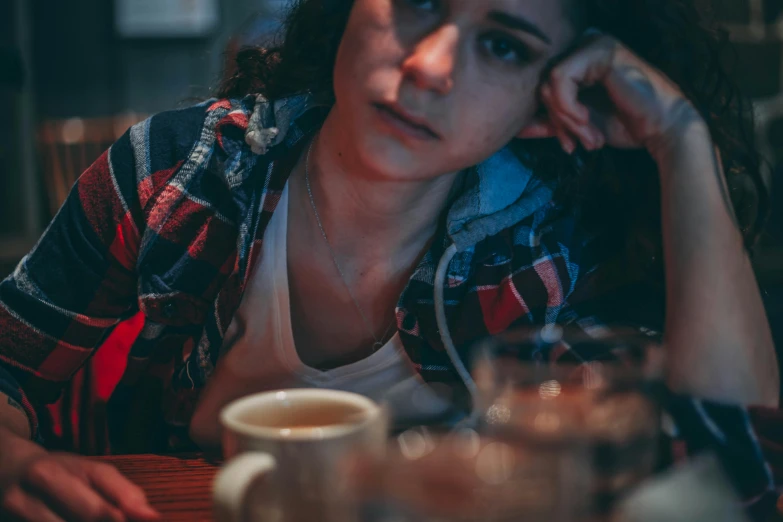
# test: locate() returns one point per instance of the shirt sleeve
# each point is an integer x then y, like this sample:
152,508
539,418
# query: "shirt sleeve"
77,283
727,431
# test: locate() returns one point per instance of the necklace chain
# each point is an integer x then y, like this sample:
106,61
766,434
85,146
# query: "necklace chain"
378,341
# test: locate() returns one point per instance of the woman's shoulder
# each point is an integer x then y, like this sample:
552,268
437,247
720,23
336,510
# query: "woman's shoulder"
208,138
208,149
176,133
250,125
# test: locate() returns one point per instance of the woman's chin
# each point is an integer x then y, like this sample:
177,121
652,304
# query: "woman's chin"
391,160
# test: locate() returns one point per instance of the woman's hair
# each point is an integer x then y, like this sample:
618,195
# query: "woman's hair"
611,187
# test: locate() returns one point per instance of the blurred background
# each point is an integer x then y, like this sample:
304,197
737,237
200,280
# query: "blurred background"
75,74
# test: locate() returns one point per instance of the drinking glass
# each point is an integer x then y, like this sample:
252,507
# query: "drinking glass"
463,476
556,388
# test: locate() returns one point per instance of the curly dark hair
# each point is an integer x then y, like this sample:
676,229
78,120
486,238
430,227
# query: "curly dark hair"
612,187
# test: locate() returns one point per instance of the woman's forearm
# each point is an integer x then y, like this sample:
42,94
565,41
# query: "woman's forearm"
717,335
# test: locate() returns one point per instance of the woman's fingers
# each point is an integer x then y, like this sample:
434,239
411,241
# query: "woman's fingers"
537,130
22,507
566,142
585,68
558,127
642,106
122,492
590,137
588,67
572,117
68,494
64,487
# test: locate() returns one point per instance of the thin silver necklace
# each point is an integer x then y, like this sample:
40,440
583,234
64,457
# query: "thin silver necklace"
378,341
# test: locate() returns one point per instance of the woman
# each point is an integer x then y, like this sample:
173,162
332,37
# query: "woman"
417,189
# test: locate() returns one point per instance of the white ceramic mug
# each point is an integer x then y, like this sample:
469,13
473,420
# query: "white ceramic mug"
291,442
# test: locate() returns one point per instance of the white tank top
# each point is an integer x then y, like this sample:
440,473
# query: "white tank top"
259,344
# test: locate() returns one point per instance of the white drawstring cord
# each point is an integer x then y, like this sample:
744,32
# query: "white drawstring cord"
445,336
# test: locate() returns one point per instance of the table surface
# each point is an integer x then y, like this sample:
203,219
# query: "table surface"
179,487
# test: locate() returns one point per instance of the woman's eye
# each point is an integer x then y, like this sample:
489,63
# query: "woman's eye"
506,49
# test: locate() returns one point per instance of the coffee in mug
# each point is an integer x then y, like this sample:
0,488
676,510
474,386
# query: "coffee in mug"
283,451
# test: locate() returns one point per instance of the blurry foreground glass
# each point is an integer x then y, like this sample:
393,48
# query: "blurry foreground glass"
538,391
465,477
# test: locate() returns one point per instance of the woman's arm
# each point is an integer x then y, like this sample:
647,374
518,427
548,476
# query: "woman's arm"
60,302
718,340
76,284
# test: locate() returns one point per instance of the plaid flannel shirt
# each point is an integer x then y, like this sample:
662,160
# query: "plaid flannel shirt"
162,230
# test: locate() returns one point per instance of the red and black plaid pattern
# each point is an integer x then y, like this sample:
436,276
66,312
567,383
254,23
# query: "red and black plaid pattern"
163,228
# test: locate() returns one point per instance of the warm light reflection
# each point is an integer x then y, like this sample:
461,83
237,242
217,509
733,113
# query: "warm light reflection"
495,463
415,444
594,376
467,443
549,389
498,414
547,422
73,131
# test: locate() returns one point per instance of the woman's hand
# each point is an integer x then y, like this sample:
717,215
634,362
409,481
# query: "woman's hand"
718,340
37,486
603,94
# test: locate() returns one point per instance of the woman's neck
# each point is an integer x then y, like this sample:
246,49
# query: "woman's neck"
364,214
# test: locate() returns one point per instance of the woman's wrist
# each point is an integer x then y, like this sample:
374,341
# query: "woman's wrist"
688,135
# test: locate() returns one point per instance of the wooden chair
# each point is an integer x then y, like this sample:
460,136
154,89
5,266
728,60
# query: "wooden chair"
68,147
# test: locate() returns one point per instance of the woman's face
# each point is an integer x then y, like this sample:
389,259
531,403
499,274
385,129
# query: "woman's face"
428,87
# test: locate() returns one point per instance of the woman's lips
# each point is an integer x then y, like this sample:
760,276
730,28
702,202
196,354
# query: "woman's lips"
405,123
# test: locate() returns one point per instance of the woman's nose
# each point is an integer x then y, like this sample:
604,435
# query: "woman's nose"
432,62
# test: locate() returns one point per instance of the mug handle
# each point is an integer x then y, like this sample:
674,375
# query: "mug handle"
232,481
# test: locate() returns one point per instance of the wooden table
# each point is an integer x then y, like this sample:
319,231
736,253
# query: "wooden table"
179,487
